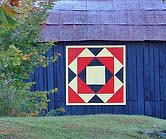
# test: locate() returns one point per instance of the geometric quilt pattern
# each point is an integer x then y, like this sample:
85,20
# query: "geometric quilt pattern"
95,75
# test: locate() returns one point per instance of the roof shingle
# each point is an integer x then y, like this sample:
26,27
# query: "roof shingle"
124,20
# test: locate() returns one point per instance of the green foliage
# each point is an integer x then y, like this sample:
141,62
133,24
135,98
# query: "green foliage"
55,112
20,54
14,102
6,16
2,136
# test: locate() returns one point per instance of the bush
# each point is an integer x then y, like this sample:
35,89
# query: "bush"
14,102
20,53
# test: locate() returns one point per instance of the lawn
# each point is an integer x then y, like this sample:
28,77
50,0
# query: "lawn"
79,127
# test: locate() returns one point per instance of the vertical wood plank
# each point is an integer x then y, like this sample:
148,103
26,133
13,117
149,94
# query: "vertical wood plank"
134,68
156,73
162,110
117,110
108,109
40,79
162,71
55,76
132,73
37,80
96,110
44,79
126,108
140,80
32,79
50,80
146,72
62,72
133,109
128,74
80,110
165,110
153,108
148,109
157,109
151,72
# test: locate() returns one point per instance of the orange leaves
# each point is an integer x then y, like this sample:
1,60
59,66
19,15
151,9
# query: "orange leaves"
9,11
27,57
8,14
14,3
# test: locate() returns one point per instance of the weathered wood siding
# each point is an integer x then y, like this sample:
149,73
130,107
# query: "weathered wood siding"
145,80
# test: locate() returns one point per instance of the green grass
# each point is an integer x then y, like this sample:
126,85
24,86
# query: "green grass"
79,127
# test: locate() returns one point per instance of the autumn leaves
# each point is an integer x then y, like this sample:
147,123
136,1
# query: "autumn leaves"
14,3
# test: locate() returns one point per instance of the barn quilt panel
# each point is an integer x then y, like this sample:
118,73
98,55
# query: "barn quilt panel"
95,75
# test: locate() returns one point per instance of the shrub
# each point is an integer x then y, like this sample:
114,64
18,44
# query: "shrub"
20,53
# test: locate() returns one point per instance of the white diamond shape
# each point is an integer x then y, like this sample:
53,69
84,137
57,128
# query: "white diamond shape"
117,84
104,97
86,53
104,53
73,66
73,84
117,65
86,97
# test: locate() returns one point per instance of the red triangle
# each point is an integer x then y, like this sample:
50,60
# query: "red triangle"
83,88
118,97
117,52
83,62
73,53
108,88
108,62
73,97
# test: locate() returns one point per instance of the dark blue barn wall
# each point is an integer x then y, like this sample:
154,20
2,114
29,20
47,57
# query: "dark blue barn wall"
145,80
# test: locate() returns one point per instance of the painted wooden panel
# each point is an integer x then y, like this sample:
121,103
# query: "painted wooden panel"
145,80
95,75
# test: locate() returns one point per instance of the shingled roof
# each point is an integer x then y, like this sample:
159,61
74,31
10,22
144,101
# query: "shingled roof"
122,20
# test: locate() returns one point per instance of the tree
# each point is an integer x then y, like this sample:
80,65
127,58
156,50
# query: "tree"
20,53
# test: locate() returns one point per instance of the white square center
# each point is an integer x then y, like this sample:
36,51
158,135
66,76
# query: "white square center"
95,75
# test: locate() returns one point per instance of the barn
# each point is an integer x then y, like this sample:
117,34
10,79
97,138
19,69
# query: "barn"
113,57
